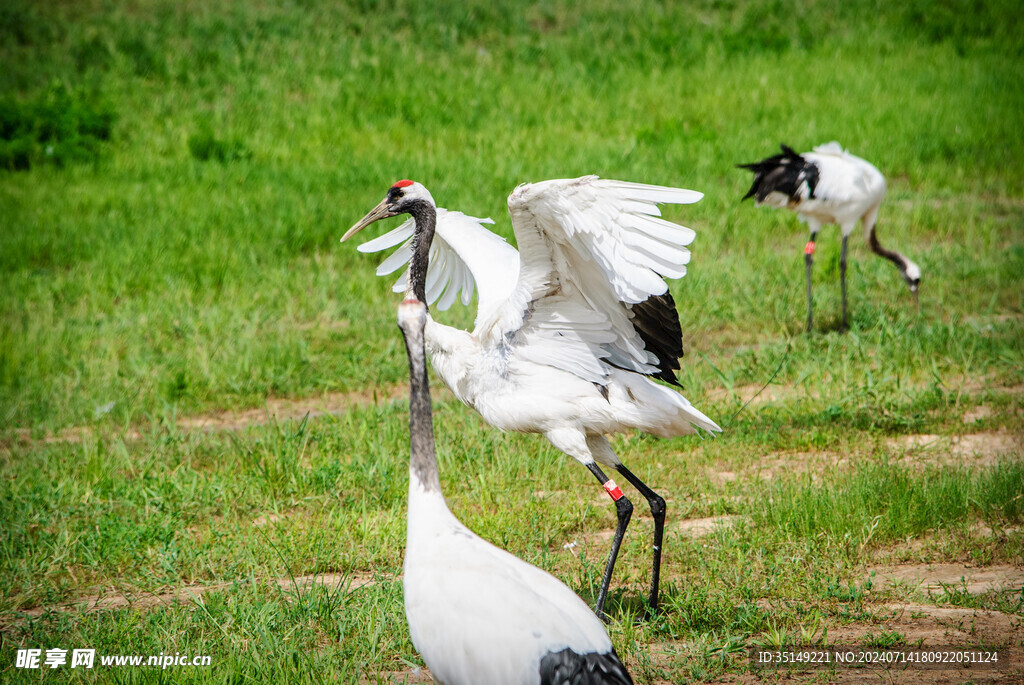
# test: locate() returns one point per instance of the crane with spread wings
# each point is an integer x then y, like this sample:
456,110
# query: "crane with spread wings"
570,329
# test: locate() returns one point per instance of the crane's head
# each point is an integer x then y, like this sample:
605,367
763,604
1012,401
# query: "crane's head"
912,275
405,197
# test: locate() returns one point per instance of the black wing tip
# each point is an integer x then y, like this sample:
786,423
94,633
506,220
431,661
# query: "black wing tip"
670,378
780,173
656,321
788,151
755,168
571,668
774,160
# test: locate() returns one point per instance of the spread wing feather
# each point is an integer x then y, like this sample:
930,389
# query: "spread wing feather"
463,256
601,247
587,289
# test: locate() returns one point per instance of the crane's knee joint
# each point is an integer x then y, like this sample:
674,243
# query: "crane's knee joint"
658,506
623,508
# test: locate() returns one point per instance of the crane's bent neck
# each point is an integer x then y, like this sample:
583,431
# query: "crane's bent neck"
901,262
425,216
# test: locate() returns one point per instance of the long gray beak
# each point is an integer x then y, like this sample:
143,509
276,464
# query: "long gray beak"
379,212
917,300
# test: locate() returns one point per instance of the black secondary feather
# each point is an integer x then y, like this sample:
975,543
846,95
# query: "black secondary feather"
785,173
569,668
657,322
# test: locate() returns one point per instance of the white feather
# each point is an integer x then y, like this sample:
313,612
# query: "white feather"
848,188
476,613
463,255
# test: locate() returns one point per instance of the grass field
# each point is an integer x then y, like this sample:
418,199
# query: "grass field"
203,436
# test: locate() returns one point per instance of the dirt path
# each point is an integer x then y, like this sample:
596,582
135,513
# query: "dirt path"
114,599
277,409
974,580
334,404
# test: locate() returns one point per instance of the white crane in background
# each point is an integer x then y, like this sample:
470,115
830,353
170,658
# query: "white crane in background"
476,613
828,186
568,330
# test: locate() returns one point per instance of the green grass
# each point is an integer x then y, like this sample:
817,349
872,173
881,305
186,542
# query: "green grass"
174,178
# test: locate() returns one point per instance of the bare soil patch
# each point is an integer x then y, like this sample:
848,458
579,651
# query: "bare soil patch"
979,413
975,449
940,626
285,409
691,528
698,528
974,580
931,626
753,394
275,409
115,599
776,464
408,676
333,404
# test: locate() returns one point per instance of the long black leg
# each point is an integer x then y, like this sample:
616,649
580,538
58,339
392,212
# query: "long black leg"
657,503
623,510
809,260
842,277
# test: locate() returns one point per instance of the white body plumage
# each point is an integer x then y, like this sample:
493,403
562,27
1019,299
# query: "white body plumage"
848,189
476,613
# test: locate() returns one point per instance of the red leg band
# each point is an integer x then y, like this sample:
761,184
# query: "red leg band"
809,248
614,490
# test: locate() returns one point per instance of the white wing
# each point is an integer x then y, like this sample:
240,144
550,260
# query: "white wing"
463,254
590,249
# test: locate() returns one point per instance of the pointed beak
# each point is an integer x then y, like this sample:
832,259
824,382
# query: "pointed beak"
917,300
381,211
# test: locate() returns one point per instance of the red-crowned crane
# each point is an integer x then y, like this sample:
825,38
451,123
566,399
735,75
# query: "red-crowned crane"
828,186
476,613
569,330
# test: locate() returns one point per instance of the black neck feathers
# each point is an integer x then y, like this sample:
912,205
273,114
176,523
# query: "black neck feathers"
425,216
892,255
423,458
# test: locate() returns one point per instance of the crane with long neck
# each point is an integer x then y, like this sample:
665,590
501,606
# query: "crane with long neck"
476,613
569,331
828,186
